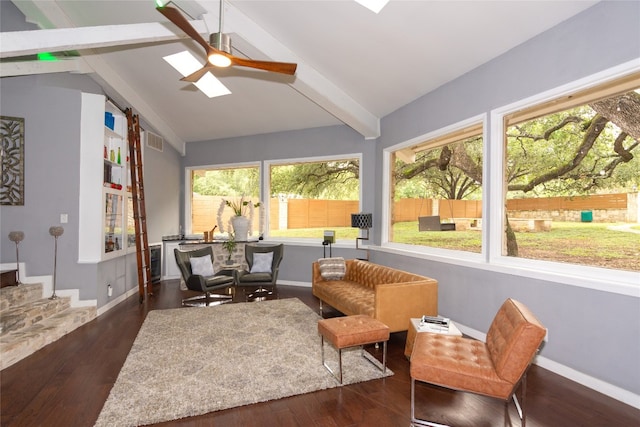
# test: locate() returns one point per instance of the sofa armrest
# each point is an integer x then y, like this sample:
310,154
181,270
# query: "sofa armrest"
396,303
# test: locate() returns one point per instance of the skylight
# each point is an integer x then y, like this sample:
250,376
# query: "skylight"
186,64
373,5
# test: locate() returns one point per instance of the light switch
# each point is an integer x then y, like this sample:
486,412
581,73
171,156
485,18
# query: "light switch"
64,218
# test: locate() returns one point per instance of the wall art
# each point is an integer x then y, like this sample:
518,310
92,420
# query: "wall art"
12,153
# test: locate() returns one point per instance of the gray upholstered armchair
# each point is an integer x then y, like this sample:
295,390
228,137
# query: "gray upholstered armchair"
197,271
264,263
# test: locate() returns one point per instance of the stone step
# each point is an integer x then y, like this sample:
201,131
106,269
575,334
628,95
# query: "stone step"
16,345
22,316
12,296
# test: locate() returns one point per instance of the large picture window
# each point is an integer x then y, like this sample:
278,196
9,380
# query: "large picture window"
571,173
212,187
309,196
436,191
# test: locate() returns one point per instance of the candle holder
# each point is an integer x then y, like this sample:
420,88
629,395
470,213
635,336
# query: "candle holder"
17,237
55,231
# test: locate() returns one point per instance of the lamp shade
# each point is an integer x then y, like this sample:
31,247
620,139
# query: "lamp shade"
362,220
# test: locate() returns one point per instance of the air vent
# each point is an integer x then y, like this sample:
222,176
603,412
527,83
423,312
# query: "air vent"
154,141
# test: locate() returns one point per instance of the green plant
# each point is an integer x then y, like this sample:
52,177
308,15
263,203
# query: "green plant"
230,245
241,207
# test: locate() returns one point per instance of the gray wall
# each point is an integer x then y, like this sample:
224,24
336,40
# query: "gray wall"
52,155
599,38
50,105
603,36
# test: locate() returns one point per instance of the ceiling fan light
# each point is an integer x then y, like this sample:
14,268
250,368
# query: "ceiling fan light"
219,60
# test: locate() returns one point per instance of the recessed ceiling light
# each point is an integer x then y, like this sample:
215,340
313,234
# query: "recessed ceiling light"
187,64
373,5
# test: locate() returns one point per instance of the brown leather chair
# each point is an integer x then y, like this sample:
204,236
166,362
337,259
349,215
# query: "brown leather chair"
493,368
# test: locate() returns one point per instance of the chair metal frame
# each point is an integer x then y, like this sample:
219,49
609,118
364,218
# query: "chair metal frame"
198,283
520,336
261,292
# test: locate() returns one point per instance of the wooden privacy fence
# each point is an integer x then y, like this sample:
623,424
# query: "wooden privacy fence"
577,203
311,213
298,213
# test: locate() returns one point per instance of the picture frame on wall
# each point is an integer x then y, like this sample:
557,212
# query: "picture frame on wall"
12,153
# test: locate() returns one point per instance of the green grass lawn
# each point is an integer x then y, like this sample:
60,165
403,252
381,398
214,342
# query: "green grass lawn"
571,242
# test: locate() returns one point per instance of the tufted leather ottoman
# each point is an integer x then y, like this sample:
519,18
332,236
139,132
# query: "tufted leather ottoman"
352,331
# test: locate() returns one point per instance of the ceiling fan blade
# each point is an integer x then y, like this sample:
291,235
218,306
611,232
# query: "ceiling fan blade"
276,67
181,22
197,75
174,15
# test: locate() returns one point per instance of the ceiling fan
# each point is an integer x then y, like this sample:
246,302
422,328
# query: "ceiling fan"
219,50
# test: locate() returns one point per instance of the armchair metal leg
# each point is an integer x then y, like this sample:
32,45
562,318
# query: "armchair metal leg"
416,422
521,407
261,293
206,299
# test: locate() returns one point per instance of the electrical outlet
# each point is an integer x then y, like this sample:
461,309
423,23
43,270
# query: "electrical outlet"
109,290
64,218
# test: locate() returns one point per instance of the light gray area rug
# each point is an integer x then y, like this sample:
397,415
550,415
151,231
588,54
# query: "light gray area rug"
191,361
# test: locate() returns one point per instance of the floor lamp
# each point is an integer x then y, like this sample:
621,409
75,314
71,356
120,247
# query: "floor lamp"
363,221
17,237
55,231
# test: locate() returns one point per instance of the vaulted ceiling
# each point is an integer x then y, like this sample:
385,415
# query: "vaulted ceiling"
354,66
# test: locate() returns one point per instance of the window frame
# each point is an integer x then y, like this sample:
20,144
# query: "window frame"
493,206
188,186
610,280
419,141
267,164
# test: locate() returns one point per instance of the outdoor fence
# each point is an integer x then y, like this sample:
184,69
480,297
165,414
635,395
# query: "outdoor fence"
311,213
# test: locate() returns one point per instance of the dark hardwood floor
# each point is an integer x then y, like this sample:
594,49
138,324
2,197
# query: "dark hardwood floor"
67,382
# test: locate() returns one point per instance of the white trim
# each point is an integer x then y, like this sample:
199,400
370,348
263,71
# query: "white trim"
294,283
589,277
47,286
111,304
386,184
314,159
615,392
609,280
539,270
188,185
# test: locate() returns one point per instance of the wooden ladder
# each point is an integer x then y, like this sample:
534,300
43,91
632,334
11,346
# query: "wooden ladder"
139,211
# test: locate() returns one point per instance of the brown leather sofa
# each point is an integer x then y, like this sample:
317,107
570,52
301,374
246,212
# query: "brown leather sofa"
384,293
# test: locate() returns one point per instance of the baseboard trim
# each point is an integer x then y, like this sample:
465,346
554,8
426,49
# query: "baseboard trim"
294,283
615,392
117,301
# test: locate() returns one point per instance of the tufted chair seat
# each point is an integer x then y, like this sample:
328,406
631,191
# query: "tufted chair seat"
493,368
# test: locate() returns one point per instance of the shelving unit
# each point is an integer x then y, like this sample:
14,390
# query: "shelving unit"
105,199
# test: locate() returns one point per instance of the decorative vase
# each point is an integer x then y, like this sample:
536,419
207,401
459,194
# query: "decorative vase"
240,228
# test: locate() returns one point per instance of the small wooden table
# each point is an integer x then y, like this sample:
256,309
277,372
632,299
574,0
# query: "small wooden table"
414,329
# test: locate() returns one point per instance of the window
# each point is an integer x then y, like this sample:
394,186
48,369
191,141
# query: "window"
436,190
312,195
211,187
571,178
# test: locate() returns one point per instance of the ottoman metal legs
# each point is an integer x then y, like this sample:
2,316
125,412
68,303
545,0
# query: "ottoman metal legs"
353,331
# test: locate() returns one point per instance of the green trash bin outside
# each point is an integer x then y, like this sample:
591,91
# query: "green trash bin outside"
586,216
